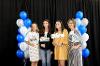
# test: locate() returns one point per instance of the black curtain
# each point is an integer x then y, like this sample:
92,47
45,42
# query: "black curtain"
38,10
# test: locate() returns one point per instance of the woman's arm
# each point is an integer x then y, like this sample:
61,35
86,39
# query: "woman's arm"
65,38
28,42
27,39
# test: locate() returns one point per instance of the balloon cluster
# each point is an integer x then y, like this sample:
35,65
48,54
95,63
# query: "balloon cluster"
23,24
81,24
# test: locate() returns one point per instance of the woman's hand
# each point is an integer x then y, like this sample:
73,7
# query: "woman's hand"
43,45
42,37
76,47
28,42
32,45
32,39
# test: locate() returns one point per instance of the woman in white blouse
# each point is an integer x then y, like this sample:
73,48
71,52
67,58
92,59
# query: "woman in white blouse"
32,39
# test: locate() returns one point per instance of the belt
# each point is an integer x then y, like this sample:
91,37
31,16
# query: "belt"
75,43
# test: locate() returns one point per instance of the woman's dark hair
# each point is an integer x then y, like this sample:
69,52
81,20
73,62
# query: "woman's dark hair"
43,28
62,26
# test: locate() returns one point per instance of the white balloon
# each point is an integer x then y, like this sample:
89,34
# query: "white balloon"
26,54
23,30
20,22
84,45
85,37
85,21
23,46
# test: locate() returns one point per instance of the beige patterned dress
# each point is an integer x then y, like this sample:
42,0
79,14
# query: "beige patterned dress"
33,50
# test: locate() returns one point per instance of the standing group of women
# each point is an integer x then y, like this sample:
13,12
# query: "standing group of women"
65,48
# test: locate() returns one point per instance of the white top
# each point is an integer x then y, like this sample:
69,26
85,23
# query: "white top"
33,37
45,34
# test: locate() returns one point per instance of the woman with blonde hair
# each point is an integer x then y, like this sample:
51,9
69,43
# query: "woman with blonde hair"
75,51
32,39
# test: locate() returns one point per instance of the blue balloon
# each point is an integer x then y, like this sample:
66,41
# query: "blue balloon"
20,38
85,53
27,23
79,14
20,54
19,45
23,15
18,31
82,29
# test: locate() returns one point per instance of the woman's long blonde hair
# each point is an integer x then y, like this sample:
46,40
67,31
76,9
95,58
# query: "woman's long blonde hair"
73,20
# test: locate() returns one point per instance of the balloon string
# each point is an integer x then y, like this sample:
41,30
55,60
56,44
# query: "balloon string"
26,6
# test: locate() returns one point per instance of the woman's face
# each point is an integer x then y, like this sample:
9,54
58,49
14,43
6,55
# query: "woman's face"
58,25
34,27
45,24
71,25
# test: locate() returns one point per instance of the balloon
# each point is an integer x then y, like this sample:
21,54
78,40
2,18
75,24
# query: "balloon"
27,23
29,29
19,22
26,54
82,29
23,15
20,38
85,53
23,46
23,30
18,31
20,54
84,45
85,21
79,14
85,37
19,44
78,22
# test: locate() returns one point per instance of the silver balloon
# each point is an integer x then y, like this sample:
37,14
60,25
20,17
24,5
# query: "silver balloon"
84,45
20,22
85,21
85,37
23,30
23,46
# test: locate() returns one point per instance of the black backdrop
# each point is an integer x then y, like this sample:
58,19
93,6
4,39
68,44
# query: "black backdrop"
51,9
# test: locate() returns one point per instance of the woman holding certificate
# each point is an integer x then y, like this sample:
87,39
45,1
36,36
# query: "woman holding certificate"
60,42
45,44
